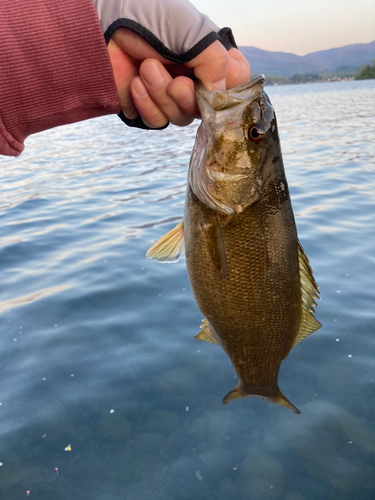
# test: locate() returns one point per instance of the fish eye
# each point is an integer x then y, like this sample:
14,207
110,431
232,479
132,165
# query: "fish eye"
256,134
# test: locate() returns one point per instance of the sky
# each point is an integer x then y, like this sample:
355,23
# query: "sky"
297,26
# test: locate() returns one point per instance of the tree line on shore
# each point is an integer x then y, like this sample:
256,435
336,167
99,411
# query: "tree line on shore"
365,72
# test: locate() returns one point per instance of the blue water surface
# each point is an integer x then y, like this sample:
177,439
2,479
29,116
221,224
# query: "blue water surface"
97,348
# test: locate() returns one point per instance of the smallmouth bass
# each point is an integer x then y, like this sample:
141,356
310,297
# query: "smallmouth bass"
248,272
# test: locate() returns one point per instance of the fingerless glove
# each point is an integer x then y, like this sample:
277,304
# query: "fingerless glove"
175,28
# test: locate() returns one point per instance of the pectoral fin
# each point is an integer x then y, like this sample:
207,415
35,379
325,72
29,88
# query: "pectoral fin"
170,247
216,246
310,293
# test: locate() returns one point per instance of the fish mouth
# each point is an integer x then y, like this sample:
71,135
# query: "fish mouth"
259,79
218,100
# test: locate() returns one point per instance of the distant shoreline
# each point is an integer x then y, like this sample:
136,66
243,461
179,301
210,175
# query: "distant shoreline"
272,80
270,83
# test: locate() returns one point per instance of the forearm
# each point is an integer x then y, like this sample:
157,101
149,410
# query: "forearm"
54,68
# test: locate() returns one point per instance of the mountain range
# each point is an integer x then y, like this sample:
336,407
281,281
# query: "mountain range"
286,64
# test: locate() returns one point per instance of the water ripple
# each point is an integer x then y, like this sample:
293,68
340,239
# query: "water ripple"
88,325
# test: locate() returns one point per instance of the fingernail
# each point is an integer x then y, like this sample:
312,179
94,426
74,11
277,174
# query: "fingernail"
139,88
152,74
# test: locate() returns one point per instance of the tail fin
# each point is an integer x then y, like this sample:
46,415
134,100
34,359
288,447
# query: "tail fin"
235,393
239,392
280,399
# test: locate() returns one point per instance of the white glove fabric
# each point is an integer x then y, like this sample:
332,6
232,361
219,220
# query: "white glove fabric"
175,28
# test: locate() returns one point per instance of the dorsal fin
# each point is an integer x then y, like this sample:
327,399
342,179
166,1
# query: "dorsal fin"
310,293
206,333
170,247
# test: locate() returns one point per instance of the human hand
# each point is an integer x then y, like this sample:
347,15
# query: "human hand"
156,48
159,90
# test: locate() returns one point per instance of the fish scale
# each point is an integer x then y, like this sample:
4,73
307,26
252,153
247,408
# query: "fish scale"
247,308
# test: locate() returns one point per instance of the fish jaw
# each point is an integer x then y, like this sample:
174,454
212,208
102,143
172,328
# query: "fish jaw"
278,398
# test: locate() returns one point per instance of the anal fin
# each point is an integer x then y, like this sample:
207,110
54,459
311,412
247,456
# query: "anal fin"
170,247
206,333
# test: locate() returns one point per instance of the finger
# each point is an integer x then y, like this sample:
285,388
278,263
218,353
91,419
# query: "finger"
182,91
156,80
152,116
210,66
238,72
124,71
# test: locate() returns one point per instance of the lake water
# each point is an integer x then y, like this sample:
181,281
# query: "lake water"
97,348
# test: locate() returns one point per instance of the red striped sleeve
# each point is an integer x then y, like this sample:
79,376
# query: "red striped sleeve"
54,68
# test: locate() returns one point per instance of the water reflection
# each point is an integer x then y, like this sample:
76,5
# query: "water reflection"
21,301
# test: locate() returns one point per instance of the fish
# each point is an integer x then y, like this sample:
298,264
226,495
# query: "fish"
248,272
